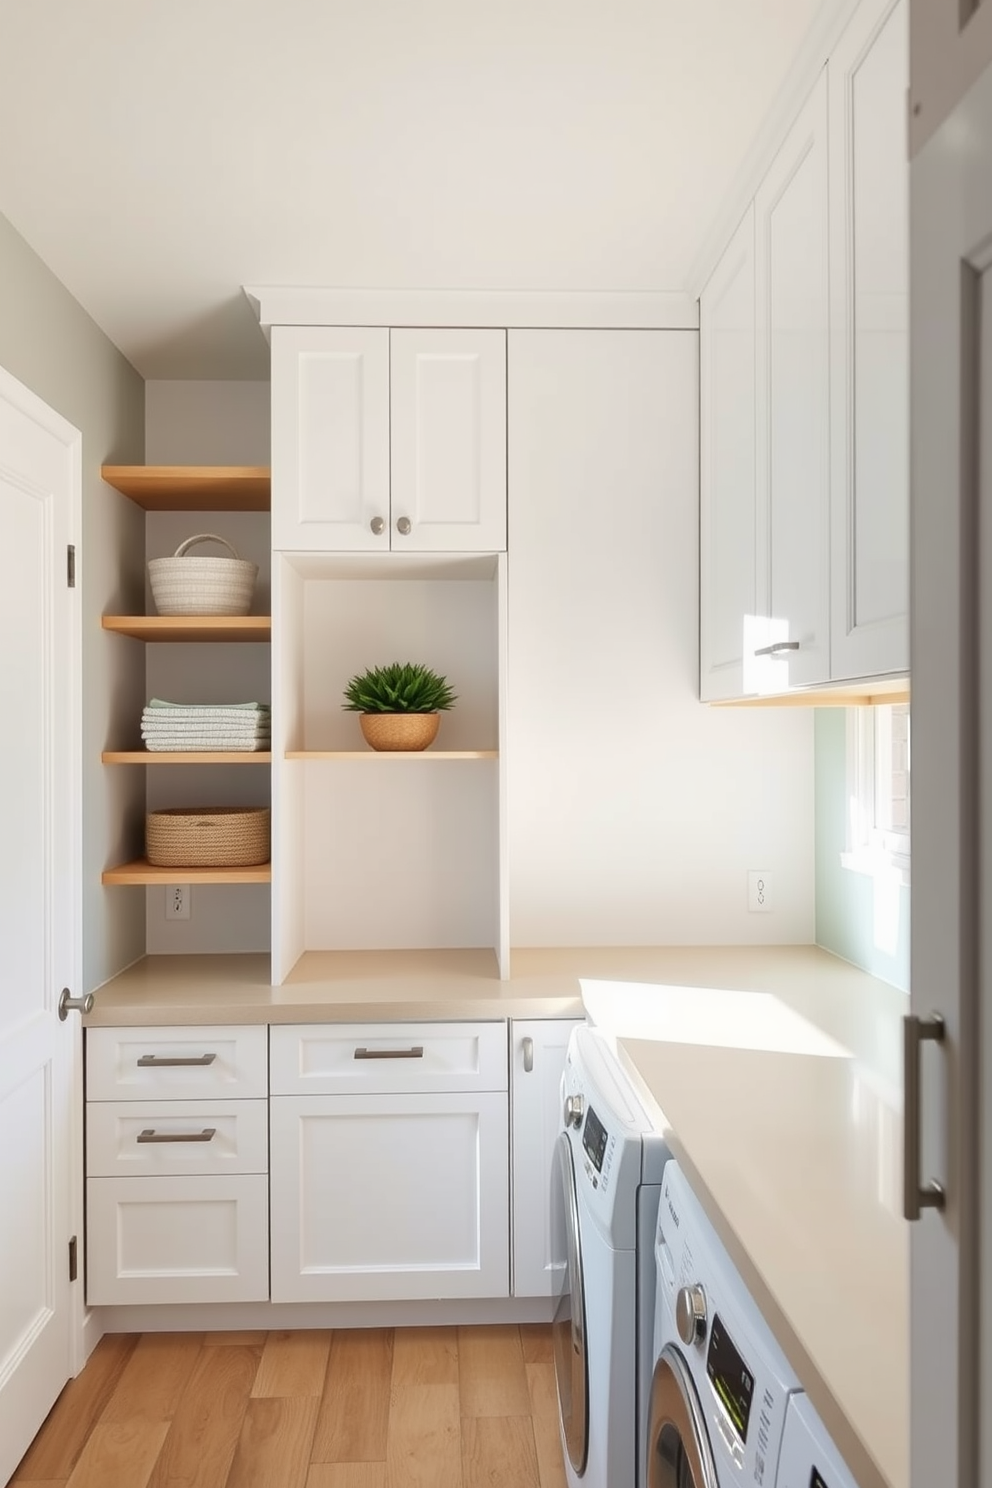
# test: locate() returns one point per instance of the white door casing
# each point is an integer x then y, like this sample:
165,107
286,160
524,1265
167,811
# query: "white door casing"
39,913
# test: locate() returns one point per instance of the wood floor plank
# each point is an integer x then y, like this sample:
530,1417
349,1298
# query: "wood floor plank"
293,1364
204,1434
274,1446
499,1452
354,1411
491,1372
55,1450
537,1344
423,1449
544,1416
425,1356
347,1475
154,1378
119,1454
249,1338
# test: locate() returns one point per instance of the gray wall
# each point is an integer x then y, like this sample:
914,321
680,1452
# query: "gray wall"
856,917
50,344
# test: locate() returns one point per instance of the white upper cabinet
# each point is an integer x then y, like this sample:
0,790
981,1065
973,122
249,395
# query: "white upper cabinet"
791,647
869,292
388,441
727,436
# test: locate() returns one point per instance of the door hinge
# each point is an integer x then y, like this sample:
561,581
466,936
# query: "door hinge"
70,565
73,1260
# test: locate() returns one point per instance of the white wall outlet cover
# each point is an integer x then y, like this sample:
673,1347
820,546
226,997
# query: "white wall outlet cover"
759,891
177,902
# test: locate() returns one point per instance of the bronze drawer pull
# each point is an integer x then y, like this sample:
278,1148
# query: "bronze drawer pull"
416,1052
162,1061
151,1135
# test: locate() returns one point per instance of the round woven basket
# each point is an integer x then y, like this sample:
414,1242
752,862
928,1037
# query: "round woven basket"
207,837
399,730
202,586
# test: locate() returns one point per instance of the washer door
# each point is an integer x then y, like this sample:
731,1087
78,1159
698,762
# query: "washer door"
569,1327
679,1453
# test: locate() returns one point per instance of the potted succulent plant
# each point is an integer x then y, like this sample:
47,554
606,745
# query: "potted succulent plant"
400,704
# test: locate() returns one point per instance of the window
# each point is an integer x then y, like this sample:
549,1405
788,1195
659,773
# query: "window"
878,774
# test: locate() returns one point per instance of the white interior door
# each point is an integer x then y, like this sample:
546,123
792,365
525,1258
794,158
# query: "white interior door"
951,650
39,483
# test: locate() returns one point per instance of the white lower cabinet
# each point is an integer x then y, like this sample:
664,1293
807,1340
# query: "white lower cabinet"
537,1060
399,1188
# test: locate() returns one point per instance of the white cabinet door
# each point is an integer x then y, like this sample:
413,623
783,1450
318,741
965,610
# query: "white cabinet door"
448,433
726,474
330,438
536,1065
389,1197
869,343
792,405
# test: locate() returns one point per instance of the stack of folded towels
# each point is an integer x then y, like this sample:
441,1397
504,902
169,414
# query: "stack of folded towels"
188,727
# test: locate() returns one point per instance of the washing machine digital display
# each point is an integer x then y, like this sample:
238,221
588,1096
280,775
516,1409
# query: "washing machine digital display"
731,1379
594,1139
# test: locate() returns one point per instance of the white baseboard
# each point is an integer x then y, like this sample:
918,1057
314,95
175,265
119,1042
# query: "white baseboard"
238,1316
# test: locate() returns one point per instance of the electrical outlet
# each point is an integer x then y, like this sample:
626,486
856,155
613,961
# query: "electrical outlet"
177,902
759,891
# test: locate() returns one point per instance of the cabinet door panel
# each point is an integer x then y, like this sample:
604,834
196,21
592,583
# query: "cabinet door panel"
727,513
536,1121
793,405
869,298
330,437
198,1239
389,1197
448,419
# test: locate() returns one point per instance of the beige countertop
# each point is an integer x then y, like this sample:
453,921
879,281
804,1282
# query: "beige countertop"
774,1071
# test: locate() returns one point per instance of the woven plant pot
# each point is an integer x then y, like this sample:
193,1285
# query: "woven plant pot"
399,730
202,586
207,837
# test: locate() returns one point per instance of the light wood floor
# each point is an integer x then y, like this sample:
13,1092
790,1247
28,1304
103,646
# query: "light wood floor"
376,1408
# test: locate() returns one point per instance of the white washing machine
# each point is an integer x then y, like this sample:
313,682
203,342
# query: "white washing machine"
607,1178
721,1386
809,1458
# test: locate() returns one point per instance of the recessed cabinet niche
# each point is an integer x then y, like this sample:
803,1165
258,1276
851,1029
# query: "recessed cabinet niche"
387,851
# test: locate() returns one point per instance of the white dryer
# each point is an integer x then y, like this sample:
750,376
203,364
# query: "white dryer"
721,1386
607,1178
809,1458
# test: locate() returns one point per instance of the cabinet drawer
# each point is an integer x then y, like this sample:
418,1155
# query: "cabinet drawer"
380,1058
175,1063
135,1138
185,1239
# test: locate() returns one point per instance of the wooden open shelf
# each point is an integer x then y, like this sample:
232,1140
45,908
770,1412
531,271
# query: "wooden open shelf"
142,872
191,627
193,487
186,757
384,754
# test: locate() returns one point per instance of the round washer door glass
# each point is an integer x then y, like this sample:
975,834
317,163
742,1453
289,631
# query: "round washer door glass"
679,1453
569,1327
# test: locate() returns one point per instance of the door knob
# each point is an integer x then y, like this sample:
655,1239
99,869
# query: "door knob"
69,1004
404,526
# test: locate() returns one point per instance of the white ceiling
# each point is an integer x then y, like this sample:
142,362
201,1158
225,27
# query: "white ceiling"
160,154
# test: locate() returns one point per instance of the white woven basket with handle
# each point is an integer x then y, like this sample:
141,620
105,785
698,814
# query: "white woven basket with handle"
202,586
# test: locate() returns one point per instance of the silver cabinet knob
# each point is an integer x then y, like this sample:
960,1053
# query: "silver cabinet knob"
574,1106
690,1314
404,526
528,1052
378,525
69,1004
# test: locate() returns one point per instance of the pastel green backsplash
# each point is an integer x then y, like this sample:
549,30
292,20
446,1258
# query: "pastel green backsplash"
855,918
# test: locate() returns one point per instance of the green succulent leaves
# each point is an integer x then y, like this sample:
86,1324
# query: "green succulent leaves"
401,687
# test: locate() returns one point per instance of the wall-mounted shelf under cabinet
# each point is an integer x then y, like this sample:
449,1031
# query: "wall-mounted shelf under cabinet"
140,871
185,757
193,487
191,627
392,754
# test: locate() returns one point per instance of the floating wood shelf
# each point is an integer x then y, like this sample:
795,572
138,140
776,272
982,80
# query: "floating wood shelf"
185,757
191,627
142,872
387,754
193,487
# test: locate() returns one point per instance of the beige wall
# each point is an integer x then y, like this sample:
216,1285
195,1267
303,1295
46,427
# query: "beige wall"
50,344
